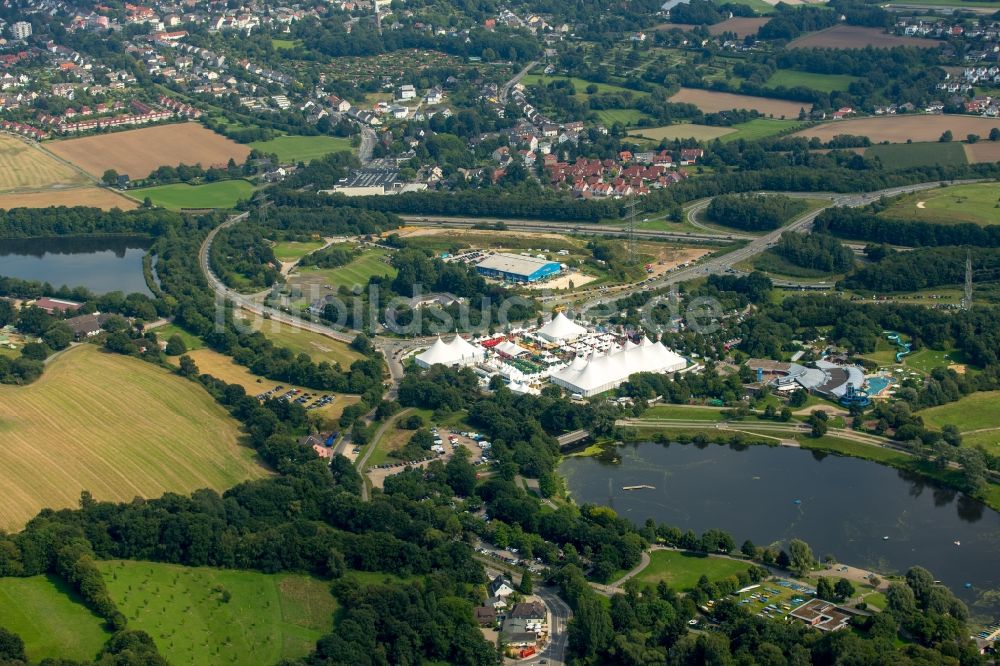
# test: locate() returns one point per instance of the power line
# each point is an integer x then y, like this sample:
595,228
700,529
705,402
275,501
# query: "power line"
968,280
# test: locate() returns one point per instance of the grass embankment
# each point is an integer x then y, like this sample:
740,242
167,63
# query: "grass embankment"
685,412
977,417
976,203
115,426
50,618
681,570
220,194
295,250
203,616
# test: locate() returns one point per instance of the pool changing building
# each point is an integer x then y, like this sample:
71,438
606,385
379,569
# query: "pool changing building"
517,268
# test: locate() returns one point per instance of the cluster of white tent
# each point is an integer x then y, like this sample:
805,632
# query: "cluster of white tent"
603,372
560,329
457,352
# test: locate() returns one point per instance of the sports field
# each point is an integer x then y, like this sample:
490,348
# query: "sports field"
905,155
681,571
25,167
302,148
790,78
221,194
138,152
115,426
711,101
858,37
975,203
203,616
977,416
357,272
225,368
50,619
899,129
88,195
295,250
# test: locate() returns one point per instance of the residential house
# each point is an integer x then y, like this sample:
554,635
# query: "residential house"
501,586
486,616
88,325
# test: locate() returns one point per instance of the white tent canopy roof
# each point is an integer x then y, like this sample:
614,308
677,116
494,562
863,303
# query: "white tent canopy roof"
561,328
603,372
457,352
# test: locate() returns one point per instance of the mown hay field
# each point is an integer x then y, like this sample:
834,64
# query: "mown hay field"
711,101
858,37
97,197
117,427
138,152
900,129
26,168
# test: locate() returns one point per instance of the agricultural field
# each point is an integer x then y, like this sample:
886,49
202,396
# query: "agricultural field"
858,37
790,78
329,280
625,117
88,195
900,129
681,571
115,426
977,203
24,167
905,155
711,101
50,618
220,194
202,616
682,131
741,26
977,416
967,6
759,128
138,152
982,151
286,251
225,368
302,148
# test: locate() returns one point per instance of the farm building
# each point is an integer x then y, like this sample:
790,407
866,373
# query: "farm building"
600,373
456,352
517,268
56,305
88,325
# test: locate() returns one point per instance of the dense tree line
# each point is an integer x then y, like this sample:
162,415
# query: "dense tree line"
816,251
757,212
923,268
83,221
330,257
866,224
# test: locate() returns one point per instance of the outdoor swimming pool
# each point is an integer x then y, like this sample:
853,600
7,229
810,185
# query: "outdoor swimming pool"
877,384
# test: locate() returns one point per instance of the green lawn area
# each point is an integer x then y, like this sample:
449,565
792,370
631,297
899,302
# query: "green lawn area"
975,411
758,6
300,341
268,617
579,84
682,570
855,449
790,78
220,194
681,131
302,148
623,116
395,438
926,360
295,250
191,341
684,412
905,155
759,128
50,618
283,44
358,271
976,203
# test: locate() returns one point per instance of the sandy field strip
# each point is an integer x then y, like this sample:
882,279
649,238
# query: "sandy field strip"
98,197
898,129
711,101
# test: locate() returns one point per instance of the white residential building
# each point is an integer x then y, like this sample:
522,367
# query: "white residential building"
21,30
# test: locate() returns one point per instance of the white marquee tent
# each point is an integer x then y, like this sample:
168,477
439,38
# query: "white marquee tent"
603,372
561,329
457,352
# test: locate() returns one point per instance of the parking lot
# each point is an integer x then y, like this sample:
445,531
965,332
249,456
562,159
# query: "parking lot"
448,442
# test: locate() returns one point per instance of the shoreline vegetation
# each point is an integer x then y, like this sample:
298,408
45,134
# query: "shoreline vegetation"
663,433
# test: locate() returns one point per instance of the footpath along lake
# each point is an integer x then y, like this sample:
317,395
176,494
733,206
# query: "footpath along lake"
843,506
99,264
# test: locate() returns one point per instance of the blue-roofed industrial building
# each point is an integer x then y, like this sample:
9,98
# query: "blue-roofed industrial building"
517,268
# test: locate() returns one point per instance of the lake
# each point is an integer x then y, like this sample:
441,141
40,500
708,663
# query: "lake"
99,264
846,506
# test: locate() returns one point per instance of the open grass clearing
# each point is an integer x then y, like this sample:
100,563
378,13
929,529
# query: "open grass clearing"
682,131
295,250
685,413
115,426
302,148
191,341
96,197
225,368
328,280
267,618
300,341
138,152
791,78
907,155
760,128
51,619
711,101
926,360
24,167
579,85
976,411
625,117
220,194
977,203
682,570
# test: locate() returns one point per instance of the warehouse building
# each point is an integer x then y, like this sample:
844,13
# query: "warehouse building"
517,268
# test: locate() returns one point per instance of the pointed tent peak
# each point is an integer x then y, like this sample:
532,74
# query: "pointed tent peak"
646,342
629,345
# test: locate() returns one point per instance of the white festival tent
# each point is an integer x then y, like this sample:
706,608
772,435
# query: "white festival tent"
561,329
603,372
457,352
